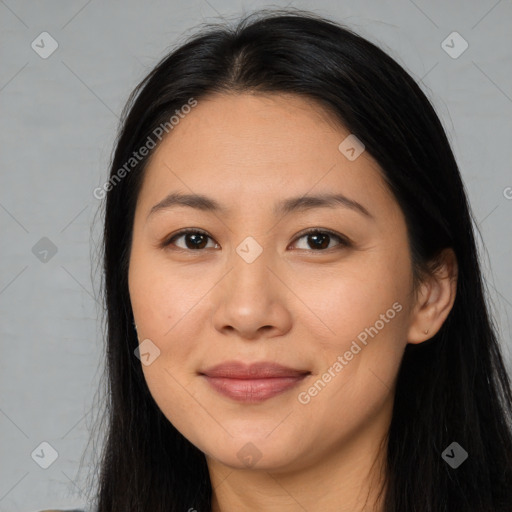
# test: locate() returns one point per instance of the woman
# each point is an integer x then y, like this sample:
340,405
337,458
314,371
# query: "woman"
296,313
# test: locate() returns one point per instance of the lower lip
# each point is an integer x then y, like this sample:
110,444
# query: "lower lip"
253,390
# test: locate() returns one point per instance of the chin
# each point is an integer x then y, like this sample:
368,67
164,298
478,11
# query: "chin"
253,452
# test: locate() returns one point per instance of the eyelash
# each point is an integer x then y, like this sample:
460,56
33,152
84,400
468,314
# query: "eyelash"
344,242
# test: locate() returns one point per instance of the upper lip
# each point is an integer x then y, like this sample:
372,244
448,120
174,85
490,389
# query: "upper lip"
258,370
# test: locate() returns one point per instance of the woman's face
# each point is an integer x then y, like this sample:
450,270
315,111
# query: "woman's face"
255,289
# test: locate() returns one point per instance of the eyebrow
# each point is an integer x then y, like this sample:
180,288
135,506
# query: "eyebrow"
284,207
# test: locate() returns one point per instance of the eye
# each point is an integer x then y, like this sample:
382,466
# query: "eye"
194,239
320,239
317,239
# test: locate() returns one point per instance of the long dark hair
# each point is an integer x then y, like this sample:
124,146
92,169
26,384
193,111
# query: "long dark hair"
453,387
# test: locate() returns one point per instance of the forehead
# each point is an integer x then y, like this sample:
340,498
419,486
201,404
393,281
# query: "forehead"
258,148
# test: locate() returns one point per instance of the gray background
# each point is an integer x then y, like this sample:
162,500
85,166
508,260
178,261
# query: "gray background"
58,123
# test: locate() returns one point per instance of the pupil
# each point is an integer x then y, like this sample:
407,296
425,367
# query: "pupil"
196,238
324,243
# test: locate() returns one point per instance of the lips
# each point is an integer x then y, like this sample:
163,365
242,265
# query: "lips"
252,382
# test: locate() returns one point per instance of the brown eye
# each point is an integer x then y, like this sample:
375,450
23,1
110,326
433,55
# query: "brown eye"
193,240
319,240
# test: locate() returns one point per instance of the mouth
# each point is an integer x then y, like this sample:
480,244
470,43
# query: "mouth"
254,382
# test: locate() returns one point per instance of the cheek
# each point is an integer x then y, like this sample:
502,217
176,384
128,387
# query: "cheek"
166,304
161,310
357,363
357,295
160,298
366,311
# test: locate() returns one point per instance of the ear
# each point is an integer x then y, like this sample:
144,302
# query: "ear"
435,298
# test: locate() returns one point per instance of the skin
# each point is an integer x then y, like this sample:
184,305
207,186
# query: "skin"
294,304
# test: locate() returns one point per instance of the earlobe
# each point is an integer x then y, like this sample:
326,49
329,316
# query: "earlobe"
436,299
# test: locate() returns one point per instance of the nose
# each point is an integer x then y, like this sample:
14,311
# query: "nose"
250,302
